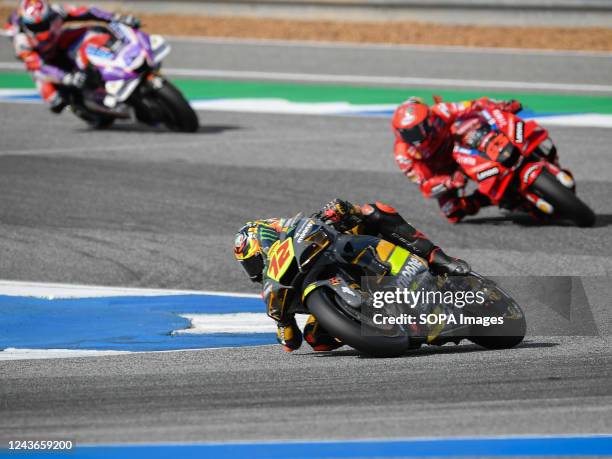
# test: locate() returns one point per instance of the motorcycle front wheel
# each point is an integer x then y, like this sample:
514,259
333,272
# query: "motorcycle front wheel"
498,306
324,305
94,120
178,114
565,203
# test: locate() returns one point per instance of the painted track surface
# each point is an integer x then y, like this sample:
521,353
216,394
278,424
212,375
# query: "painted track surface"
135,207
547,386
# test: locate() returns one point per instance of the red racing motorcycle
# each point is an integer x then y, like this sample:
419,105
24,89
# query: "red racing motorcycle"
515,164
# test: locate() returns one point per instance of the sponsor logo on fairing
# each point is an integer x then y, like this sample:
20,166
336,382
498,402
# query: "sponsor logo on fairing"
518,132
482,175
303,232
467,160
444,110
465,151
489,119
440,188
92,50
499,117
528,172
403,160
412,267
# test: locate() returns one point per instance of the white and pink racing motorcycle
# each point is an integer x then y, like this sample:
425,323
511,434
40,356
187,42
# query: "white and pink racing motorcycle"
123,69
122,65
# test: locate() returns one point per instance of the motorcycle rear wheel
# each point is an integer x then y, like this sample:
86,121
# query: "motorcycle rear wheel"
566,204
322,304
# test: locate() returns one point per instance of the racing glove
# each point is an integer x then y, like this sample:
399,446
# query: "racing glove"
128,20
441,263
339,214
75,79
288,335
455,181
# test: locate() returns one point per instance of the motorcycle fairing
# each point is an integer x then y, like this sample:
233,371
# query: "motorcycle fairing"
119,56
280,257
341,287
159,47
503,153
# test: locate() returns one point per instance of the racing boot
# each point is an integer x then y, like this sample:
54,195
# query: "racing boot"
288,335
440,263
382,219
318,338
455,208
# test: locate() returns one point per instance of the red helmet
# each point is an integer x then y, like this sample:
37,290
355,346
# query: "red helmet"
412,121
39,21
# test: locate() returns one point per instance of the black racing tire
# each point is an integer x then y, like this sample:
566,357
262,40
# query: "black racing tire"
103,122
565,203
178,114
505,336
320,303
94,120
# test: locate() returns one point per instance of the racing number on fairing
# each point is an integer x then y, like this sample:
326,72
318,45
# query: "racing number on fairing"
280,256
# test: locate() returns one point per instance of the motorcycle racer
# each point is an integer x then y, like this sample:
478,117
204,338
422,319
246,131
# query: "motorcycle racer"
47,46
424,146
255,238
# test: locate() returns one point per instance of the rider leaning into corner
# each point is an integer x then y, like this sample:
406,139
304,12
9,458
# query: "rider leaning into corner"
47,47
424,151
255,238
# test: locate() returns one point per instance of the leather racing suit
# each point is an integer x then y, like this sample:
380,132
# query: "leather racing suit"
430,164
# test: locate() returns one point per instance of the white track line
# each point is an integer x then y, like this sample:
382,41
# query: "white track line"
387,46
239,322
281,106
12,353
53,290
12,66
30,354
363,79
367,79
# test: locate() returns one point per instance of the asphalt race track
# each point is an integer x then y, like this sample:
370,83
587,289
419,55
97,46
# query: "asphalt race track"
136,207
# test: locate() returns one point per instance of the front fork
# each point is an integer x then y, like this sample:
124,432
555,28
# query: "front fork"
531,171
155,80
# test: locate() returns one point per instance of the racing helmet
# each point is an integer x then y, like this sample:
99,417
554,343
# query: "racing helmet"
412,121
247,252
39,21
